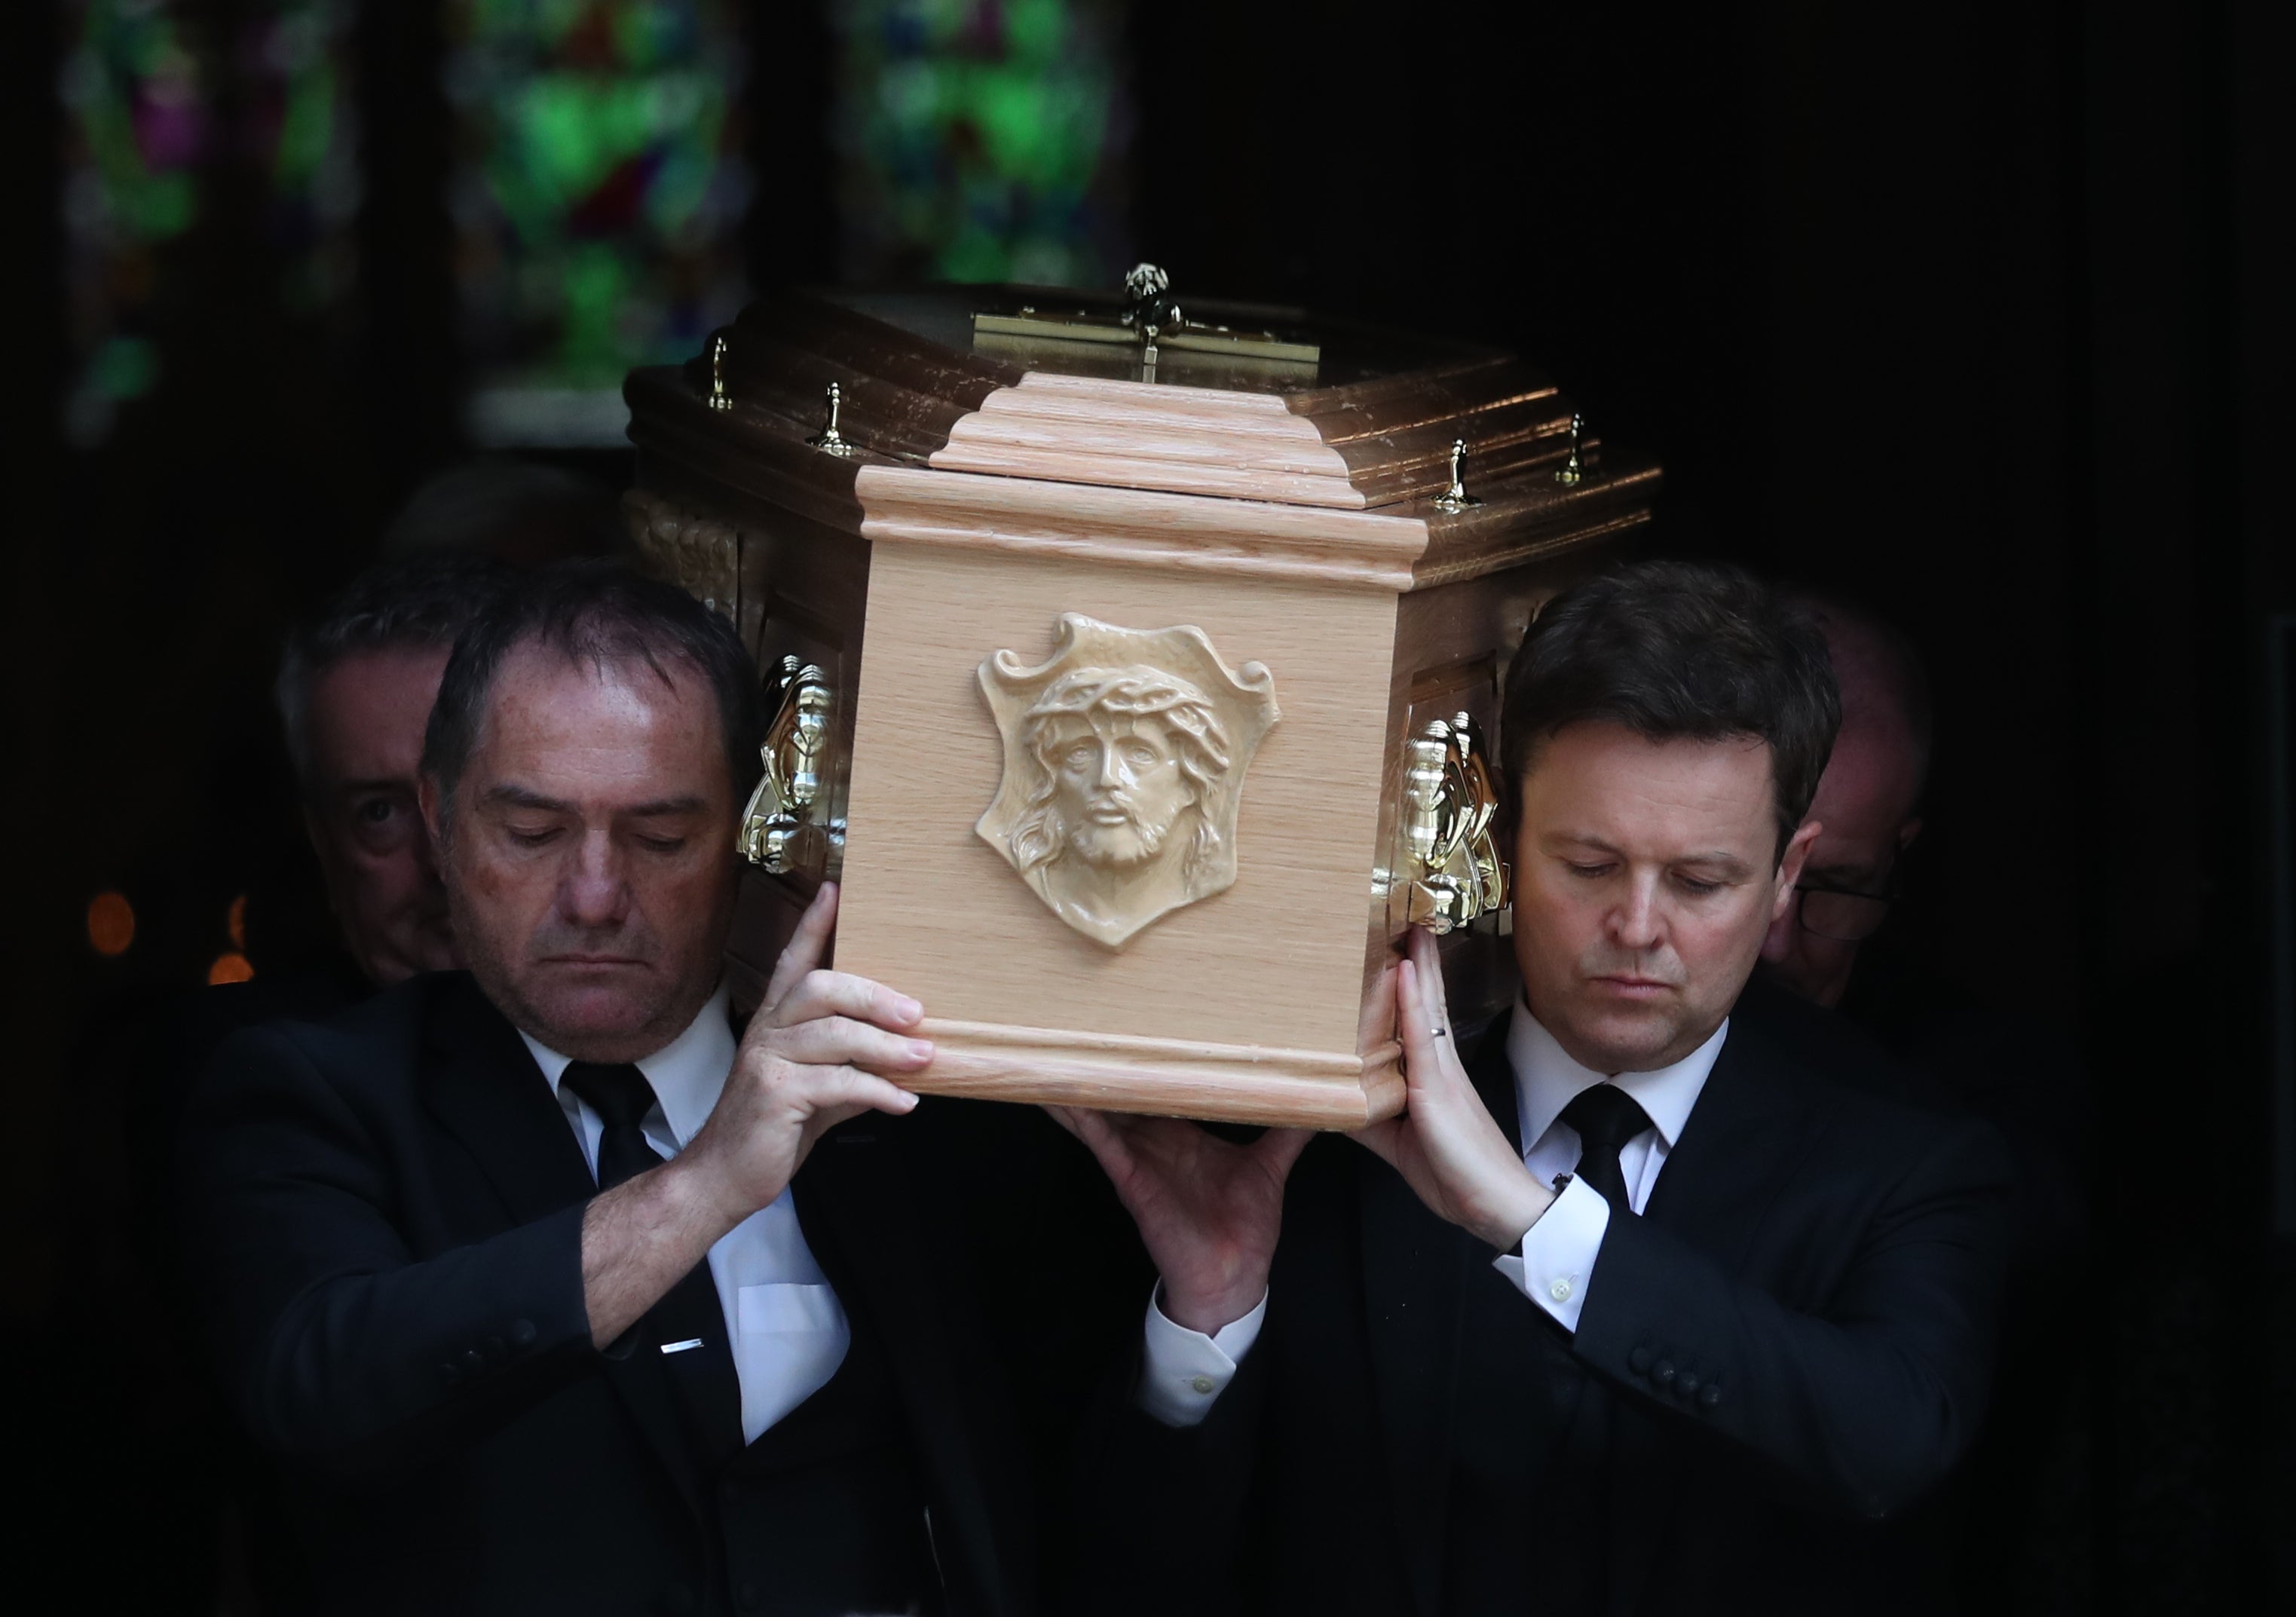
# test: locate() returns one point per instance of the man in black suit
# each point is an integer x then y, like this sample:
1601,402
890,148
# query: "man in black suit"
1657,1301
551,1297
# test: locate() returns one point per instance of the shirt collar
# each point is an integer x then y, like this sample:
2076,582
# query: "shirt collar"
1546,1080
688,1073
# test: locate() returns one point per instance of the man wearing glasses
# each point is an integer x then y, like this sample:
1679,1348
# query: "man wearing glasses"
1868,804
2009,1069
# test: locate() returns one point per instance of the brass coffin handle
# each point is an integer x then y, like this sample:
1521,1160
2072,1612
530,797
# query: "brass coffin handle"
783,807
1452,870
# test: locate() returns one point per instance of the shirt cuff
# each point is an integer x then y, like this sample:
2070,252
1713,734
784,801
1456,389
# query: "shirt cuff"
1182,1371
1556,1263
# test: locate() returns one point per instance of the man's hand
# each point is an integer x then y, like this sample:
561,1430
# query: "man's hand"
1446,1144
812,1057
1207,1211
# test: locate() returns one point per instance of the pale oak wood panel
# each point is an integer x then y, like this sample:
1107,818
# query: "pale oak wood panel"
933,909
1166,1077
1147,435
1132,527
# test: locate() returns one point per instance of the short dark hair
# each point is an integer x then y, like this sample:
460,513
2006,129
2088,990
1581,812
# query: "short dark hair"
412,604
602,613
1680,652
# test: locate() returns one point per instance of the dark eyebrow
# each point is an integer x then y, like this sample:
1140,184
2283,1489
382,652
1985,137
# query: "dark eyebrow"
520,797
669,805
1721,862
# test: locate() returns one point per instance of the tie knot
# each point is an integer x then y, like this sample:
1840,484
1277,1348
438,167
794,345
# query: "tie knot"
1605,1117
619,1095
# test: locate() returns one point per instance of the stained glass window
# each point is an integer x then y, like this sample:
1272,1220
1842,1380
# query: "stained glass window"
137,105
982,140
301,130
598,194
142,84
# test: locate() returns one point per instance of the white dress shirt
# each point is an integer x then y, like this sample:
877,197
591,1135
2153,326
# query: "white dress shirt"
788,1329
1183,1372
1554,1266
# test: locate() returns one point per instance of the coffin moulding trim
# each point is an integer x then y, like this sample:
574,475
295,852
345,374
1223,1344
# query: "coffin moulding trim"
1128,527
1159,1077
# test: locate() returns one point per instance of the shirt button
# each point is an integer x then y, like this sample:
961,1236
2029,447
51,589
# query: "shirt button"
1201,1383
1561,1290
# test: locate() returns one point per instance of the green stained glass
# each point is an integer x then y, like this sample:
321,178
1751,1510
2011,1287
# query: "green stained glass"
980,141
599,186
135,94
302,134
141,86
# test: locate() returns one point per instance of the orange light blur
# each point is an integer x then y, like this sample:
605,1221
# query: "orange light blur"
111,922
229,968
235,922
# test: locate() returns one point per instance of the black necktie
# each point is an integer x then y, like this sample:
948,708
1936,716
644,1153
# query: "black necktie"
1606,1117
702,1378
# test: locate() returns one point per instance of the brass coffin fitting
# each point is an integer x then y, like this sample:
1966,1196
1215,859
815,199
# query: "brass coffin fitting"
829,440
781,810
1455,498
1574,470
1451,867
719,399
1151,319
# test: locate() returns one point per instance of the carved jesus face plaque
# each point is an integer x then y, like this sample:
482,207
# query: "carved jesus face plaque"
1124,762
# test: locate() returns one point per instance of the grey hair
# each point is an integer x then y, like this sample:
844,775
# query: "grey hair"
412,604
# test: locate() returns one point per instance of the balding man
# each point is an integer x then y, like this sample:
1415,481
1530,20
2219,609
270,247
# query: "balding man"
2007,1067
551,1293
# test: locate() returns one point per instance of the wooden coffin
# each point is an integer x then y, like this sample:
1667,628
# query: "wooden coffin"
1119,685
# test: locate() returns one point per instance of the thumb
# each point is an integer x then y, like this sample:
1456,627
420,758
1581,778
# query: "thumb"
1279,1148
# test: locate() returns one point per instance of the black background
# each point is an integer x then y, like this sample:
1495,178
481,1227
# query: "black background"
1980,311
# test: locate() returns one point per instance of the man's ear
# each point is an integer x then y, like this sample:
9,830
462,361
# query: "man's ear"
1908,832
1790,867
426,799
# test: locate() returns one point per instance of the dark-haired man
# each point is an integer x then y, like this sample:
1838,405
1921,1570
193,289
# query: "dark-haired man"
354,694
1645,1305
552,1297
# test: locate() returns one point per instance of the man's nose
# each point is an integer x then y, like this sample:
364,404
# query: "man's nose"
1112,771
1637,922
594,893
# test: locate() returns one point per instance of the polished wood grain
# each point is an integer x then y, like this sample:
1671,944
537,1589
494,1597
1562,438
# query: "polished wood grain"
1288,511
1142,529
1184,440
1166,1077
931,907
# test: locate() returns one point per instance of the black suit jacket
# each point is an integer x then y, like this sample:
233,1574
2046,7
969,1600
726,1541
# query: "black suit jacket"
1792,1345
383,1217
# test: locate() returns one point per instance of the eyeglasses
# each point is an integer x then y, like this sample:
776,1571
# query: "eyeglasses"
1840,914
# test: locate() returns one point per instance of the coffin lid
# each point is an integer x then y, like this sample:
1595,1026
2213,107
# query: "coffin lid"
1368,424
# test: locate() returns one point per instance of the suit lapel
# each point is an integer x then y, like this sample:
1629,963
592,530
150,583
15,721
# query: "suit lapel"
482,1084
484,1088
1718,1186
1415,1268
1736,1152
